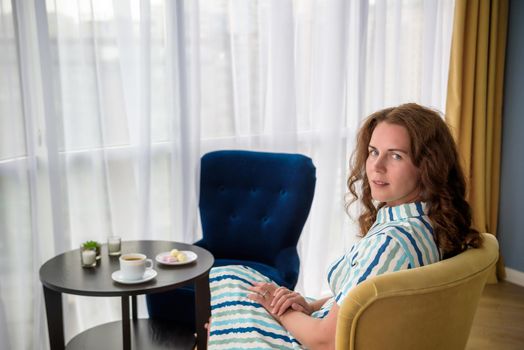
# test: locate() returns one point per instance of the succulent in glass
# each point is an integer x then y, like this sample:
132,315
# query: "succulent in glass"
93,245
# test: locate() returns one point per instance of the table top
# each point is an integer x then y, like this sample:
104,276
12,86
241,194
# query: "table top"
64,273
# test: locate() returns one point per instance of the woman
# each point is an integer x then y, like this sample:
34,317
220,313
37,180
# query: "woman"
407,175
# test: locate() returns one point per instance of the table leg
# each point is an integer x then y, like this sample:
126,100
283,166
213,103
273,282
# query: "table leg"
202,310
126,326
134,309
55,318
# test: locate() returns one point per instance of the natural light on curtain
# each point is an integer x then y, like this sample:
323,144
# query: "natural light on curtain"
107,106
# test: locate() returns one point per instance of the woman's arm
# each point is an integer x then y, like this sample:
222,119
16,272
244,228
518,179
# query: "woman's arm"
369,261
284,299
313,333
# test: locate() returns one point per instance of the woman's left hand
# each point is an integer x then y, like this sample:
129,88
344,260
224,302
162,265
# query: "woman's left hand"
263,294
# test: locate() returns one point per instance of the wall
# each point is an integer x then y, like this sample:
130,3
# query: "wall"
511,225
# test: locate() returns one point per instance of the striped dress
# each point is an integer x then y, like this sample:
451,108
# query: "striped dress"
401,238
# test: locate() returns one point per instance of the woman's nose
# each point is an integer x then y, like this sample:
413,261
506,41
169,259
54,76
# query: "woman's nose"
379,164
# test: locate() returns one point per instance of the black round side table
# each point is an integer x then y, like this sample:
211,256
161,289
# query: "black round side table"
63,274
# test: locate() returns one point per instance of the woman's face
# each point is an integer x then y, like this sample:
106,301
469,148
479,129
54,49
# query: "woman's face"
391,174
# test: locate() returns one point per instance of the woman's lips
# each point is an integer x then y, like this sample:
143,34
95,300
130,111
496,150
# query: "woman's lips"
379,183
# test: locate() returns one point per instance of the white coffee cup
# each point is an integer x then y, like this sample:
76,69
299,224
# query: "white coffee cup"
133,266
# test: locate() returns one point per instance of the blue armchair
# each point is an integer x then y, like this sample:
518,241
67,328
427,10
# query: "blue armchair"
253,206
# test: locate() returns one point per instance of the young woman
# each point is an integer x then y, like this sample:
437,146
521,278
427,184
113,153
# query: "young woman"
406,173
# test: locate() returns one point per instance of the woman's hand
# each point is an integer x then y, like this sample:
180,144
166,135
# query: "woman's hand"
262,293
313,333
277,300
284,299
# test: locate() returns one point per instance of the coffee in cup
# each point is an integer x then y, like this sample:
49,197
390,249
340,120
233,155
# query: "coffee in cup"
133,266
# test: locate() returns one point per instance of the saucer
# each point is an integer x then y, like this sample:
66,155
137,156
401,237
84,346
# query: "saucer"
148,275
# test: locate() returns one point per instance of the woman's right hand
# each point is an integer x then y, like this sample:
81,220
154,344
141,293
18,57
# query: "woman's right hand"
283,299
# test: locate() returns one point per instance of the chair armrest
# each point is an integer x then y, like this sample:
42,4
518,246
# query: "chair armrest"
287,263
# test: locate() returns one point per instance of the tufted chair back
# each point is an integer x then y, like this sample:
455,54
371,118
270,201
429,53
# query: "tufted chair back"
253,206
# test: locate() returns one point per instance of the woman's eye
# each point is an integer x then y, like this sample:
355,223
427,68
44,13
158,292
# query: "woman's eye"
396,156
373,152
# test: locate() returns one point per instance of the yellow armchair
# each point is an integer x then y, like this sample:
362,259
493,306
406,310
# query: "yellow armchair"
430,307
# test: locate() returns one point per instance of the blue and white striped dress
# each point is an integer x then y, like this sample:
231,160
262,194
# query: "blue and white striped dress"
401,238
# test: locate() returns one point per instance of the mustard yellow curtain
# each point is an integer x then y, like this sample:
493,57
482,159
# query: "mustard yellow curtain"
474,102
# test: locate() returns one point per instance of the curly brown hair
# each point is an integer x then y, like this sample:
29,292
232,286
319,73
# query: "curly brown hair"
434,153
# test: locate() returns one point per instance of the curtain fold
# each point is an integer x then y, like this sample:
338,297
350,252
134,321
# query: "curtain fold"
107,106
474,103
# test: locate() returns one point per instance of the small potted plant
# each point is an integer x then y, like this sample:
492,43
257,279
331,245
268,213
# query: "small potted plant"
93,245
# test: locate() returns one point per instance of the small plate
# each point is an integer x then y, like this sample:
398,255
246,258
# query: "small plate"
162,258
148,275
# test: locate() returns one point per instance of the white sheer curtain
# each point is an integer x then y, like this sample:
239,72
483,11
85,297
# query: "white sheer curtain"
107,106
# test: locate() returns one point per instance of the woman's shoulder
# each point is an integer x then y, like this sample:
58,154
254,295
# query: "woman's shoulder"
414,238
405,220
